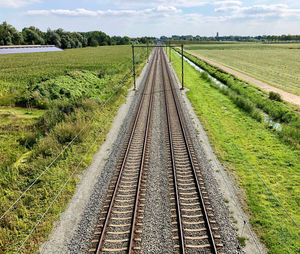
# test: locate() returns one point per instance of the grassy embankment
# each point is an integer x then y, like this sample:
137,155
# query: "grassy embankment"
58,95
255,101
276,64
232,129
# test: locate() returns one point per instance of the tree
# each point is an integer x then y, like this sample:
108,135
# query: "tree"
9,35
32,36
66,42
101,38
115,40
53,38
125,40
78,40
93,42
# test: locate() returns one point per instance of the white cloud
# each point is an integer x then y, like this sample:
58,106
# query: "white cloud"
184,3
17,3
160,10
228,2
225,12
163,8
259,11
153,3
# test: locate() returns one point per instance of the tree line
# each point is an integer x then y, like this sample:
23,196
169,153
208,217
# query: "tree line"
9,35
263,38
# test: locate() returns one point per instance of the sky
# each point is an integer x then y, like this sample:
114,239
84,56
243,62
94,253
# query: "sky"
157,17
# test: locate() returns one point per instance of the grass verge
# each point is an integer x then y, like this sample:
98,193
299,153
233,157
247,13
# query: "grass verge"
232,130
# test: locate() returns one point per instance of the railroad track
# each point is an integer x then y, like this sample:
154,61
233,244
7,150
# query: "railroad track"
191,211
119,229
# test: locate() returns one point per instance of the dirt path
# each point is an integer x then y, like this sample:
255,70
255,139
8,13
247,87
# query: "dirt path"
291,98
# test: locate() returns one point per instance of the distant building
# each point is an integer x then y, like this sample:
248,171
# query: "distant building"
28,49
217,36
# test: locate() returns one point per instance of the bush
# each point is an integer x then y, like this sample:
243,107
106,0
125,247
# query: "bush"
29,138
57,113
289,117
205,76
243,103
291,133
65,132
275,96
90,105
256,115
7,100
48,146
49,120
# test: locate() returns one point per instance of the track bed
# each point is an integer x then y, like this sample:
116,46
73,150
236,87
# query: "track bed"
123,221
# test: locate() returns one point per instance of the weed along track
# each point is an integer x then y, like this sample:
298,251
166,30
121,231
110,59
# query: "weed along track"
120,228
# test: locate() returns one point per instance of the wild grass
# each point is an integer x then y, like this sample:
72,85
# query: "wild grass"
232,130
73,101
276,64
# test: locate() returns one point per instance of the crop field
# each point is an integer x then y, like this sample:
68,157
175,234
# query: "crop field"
246,146
275,64
20,70
47,101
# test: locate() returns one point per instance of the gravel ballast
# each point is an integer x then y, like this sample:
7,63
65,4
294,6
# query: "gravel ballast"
157,230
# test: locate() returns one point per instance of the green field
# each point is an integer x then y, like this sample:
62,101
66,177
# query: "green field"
20,70
276,64
231,130
62,94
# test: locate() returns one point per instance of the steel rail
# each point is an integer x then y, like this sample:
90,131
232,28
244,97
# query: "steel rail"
181,121
178,211
142,164
108,215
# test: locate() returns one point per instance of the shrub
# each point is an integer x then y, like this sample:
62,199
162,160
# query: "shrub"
50,119
291,133
29,138
289,117
23,99
48,146
7,99
275,96
65,132
57,113
256,115
205,76
243,103
89,105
